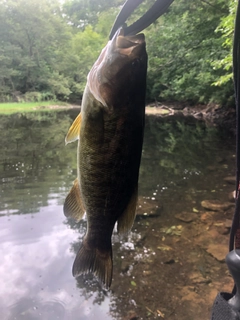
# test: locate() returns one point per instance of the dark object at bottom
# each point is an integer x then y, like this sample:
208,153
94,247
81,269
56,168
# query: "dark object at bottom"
226,305
222,310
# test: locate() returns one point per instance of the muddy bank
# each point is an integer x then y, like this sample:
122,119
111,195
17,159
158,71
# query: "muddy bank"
213,114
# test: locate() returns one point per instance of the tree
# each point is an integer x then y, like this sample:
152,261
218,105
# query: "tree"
48,47
226,29
81,13
182,47
33,42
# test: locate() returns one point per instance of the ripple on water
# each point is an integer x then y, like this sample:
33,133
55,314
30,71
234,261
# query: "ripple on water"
29,309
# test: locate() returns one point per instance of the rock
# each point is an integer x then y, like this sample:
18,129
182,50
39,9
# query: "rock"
231,180
170,261
232,196
147,206
160,111
207,217
218,251
125,266
211,107
147,273
131,315
215,205
198,115
228,223
188,293
224,227
186,110
186,216
199,279
223,230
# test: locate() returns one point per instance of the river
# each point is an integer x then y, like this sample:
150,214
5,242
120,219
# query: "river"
165,268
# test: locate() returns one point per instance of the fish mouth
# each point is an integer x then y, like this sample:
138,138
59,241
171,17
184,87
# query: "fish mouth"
123,56
128,45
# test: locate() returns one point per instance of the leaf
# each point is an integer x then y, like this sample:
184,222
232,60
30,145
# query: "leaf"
218,224
164,248
133,283
173,230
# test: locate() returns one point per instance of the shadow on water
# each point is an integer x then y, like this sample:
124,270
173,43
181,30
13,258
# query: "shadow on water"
162,268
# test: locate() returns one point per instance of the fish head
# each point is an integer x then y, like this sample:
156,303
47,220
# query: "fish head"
120,69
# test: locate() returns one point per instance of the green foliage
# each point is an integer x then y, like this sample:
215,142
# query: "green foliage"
87,45
226,28
48,47
81,13
33,42
183,47
43,57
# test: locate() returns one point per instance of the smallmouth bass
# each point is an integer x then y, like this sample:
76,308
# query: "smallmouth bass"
109,130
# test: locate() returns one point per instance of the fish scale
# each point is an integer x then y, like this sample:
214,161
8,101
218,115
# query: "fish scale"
109,131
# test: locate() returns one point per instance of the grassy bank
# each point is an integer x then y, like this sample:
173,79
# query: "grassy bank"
14,107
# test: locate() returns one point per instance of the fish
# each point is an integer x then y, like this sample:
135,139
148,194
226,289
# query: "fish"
109,130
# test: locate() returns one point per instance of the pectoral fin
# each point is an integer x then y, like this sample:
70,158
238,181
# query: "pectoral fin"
73,205
73,132
126,220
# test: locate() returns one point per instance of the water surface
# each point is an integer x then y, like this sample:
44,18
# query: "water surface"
184,162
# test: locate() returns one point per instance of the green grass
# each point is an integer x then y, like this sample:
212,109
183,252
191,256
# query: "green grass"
14,107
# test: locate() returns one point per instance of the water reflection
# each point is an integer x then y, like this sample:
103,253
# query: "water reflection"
183,161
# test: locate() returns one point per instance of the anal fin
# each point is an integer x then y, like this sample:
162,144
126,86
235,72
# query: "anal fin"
73,132
126,220
73,205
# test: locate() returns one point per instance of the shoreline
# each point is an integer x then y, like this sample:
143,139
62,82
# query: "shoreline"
212,114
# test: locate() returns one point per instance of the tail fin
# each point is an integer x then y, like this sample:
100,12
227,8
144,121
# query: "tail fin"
94,261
